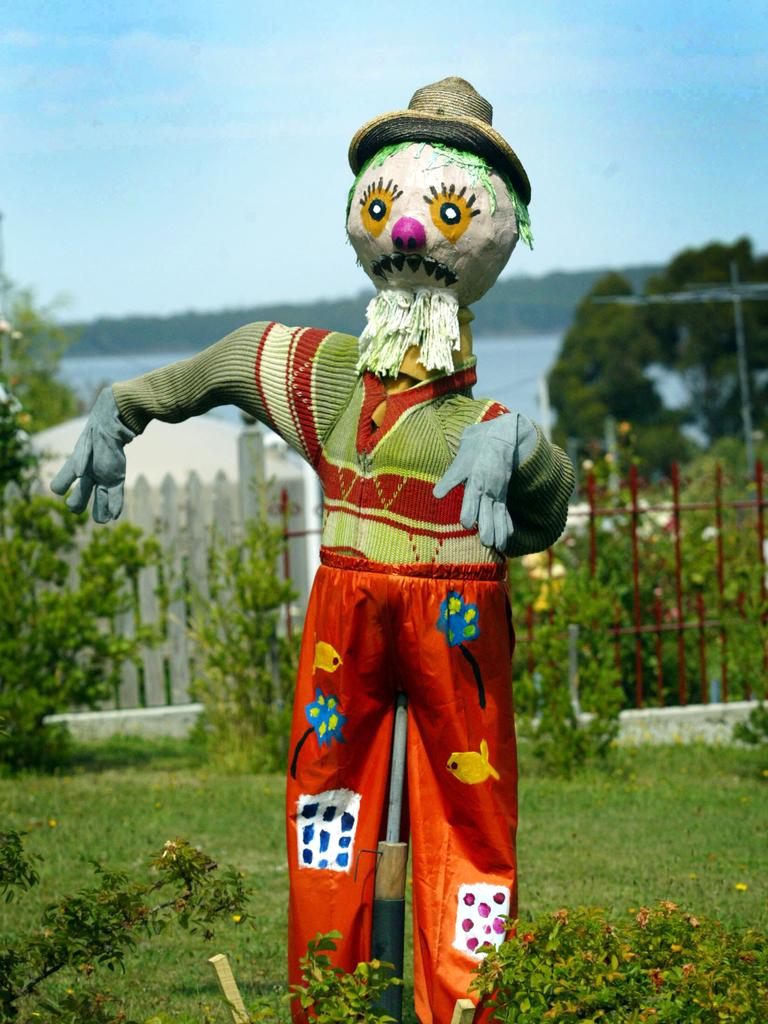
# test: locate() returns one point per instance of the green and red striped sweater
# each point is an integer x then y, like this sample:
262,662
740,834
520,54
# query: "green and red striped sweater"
377,481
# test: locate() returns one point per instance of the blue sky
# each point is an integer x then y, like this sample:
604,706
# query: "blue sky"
190,155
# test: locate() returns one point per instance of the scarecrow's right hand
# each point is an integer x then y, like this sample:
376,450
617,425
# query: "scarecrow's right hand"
97,463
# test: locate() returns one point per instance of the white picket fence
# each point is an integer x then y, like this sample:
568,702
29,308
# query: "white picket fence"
186,519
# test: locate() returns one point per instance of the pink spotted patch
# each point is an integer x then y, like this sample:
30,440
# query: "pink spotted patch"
481,909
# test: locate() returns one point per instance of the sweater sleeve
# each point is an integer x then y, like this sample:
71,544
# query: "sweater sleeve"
295,380
537,498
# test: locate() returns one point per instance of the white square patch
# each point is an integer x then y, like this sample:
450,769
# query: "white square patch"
480,917
325,828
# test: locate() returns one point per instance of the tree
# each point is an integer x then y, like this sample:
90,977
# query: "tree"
699,340
601,371
35,344
16,456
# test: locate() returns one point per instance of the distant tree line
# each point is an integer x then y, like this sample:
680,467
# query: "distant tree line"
605,365
517,305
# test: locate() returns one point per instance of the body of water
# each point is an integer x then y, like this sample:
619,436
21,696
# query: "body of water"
508,370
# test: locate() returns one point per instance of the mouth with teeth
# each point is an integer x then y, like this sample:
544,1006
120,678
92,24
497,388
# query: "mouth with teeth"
398,260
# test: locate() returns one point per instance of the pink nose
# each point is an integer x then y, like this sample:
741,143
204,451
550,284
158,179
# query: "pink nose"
409,233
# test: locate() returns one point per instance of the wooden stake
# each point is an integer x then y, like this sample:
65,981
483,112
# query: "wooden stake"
390,871
231,992
463,1012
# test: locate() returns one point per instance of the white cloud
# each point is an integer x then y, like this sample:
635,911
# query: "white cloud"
20,38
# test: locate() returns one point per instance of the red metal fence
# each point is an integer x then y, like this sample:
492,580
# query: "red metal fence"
708,616
693,603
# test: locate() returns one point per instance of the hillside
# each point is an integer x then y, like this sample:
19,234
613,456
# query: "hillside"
516,305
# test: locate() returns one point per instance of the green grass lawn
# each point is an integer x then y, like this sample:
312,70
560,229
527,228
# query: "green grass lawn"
685,823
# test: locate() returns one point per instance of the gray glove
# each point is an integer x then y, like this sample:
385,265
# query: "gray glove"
488,455
97,462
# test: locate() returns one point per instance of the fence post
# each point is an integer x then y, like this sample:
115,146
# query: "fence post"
573,666
682,694
176,628
633,488
149,606
721,579
285,513
223,518
253,473
198,538
128,692
761,557
592,499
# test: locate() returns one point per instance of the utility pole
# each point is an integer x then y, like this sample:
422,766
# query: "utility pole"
735,293
544,407
741,356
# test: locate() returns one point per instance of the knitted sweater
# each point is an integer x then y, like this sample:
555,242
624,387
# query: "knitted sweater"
377,481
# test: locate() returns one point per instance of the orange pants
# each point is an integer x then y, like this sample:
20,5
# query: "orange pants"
447,642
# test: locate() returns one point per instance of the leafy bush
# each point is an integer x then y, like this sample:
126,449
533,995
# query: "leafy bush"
755,730
664,966
57,647
246,670
565,735
16,456
333,996
98,926
36,344
732,608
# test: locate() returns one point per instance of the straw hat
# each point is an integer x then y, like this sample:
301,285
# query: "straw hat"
451,112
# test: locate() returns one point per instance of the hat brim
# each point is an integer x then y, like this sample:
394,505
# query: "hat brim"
466,133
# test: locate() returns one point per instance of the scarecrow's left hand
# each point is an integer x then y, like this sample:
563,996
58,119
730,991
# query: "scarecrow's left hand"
488,455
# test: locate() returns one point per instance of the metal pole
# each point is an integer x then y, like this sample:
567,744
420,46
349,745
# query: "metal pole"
612,448
397,777
544,407
741,355
572,447
573,666
388,932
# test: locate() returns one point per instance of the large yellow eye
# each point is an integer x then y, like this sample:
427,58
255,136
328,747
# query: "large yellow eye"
376,205
451,212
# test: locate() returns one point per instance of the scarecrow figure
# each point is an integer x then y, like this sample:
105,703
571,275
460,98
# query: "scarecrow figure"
427,492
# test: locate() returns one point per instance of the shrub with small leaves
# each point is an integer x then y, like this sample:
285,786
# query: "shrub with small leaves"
16,456
755,729
333,996
245,669
58,646
17,870
99,925
664,966
561,738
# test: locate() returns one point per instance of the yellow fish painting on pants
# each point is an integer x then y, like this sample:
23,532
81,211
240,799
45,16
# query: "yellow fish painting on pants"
471,766
327,658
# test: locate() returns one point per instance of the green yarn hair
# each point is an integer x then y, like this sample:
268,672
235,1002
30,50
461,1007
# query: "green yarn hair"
478,169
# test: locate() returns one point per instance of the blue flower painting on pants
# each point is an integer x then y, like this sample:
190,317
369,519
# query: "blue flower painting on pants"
460,621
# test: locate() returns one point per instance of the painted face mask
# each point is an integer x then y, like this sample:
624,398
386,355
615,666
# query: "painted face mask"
433,228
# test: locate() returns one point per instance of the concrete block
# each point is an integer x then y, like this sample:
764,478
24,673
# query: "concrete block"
98,725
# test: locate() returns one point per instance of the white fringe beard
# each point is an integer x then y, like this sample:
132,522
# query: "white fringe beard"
398,319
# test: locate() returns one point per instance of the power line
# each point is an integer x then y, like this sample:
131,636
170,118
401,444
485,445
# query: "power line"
735,293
